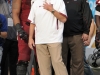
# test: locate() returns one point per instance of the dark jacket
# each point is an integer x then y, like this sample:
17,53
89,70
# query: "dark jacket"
79,17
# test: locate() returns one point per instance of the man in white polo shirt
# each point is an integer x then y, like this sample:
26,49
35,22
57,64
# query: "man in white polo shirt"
47,19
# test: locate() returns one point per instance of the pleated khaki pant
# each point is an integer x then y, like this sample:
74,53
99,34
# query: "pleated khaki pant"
48,54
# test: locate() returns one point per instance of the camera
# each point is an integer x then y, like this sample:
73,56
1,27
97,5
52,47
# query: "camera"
94,59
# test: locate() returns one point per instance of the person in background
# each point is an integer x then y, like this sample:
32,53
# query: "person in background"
87,69
10,52
97,21
20,12
3,34
76,31
97,14
47,18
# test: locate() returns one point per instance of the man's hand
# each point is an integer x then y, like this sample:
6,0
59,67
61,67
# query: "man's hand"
31,43
23,35
61,17
85,37
48,6
87,43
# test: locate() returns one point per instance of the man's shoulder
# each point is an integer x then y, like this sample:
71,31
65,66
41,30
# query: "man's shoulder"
2,16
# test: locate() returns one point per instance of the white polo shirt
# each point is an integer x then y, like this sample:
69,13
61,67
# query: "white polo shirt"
97,13
48,28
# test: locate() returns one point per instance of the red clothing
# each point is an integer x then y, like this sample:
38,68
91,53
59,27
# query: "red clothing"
24,50
97,2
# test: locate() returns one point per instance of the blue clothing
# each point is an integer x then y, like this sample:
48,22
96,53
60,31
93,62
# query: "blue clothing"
3,27
87,69
6,9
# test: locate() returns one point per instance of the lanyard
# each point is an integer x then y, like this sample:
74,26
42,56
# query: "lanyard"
9,3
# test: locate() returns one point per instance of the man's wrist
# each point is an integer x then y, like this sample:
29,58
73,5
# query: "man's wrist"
18,27
52,11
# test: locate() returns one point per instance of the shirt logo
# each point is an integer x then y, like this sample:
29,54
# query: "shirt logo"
87,1
75,0
67,1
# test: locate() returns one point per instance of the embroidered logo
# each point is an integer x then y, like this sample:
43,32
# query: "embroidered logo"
87,1
75,0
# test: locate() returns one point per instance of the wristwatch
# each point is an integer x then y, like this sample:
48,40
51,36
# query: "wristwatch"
52,11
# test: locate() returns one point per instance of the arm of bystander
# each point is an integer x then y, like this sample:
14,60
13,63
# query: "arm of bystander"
3,26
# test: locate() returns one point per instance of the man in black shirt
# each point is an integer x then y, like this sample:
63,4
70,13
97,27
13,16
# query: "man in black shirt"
76,31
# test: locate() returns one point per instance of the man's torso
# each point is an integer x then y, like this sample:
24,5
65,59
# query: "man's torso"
46,24
74,23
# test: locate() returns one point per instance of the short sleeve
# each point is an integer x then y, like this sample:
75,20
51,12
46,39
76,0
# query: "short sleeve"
97,13
62,8
31,16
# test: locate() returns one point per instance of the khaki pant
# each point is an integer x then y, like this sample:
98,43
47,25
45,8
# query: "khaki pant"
48,54
75,45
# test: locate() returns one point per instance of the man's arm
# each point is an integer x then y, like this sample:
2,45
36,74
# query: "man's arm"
92,29
87,19
31,30
16,5
57,14
3,27
87,16
31,33
3,35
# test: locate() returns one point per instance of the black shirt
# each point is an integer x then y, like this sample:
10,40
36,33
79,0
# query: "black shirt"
79,17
